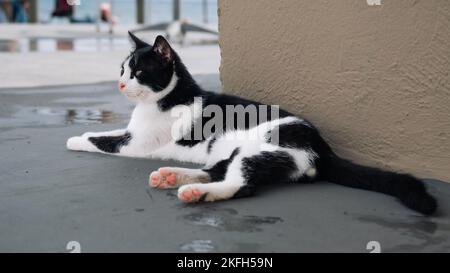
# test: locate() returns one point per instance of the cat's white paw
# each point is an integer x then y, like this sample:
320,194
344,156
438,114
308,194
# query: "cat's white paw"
76,143
163,179
192,193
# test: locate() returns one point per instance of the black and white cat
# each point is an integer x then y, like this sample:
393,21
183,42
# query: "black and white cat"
167,97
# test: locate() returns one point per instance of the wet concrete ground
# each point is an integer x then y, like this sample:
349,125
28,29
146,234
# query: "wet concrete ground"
50,196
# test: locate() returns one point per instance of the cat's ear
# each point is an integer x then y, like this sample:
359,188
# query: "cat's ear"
136,42
162,48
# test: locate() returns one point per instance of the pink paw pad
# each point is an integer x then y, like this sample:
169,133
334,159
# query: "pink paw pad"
154,180
163,179
186,196
190,195
171,179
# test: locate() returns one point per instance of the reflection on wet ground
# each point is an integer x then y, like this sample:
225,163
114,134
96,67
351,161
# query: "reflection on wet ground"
42,44
228,220
198,246
89,105
222,219
45,116
421,229
79,116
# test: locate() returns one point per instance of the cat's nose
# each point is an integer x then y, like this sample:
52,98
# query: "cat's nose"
121,86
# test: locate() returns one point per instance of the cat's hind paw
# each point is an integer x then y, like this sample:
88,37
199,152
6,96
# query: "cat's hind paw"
163,179
191,194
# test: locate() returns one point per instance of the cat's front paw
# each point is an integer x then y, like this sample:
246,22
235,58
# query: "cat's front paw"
78,143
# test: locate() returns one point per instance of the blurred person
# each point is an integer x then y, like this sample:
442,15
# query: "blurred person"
19,11
62,9
105,14
5,11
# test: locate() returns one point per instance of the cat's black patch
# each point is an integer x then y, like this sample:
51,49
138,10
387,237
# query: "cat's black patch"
218,171
111,144
268,167
302,135
245,191
185,90
296,134
188,142
154,74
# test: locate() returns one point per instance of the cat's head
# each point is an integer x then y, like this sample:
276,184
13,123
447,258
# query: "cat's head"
148,73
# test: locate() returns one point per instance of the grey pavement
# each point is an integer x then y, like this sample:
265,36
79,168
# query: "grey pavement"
50,196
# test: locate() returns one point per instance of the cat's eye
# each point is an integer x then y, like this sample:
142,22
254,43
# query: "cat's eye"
139,72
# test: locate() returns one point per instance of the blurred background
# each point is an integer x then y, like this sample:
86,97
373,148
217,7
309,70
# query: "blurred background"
373,78
91,35
77,47
79,24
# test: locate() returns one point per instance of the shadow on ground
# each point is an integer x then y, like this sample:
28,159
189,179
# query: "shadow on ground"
50,196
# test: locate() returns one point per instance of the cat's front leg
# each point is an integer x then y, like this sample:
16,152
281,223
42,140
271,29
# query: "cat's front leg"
106,142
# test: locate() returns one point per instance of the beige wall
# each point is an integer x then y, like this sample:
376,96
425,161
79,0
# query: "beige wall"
374,79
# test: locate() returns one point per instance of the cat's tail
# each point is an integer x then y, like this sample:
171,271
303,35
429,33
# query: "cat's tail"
408,189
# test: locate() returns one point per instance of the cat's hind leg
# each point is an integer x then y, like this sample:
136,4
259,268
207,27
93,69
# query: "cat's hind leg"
230,182
243,174
173,177
213,191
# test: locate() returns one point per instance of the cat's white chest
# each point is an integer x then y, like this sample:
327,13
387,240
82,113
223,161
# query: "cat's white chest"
152,128
146,118
149,127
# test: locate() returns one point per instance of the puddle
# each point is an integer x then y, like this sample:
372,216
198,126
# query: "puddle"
42,116
415,228
74,116
203,220
229,220
427,232
42,44
198,246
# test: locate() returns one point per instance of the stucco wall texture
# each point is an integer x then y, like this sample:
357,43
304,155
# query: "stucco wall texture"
374,79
